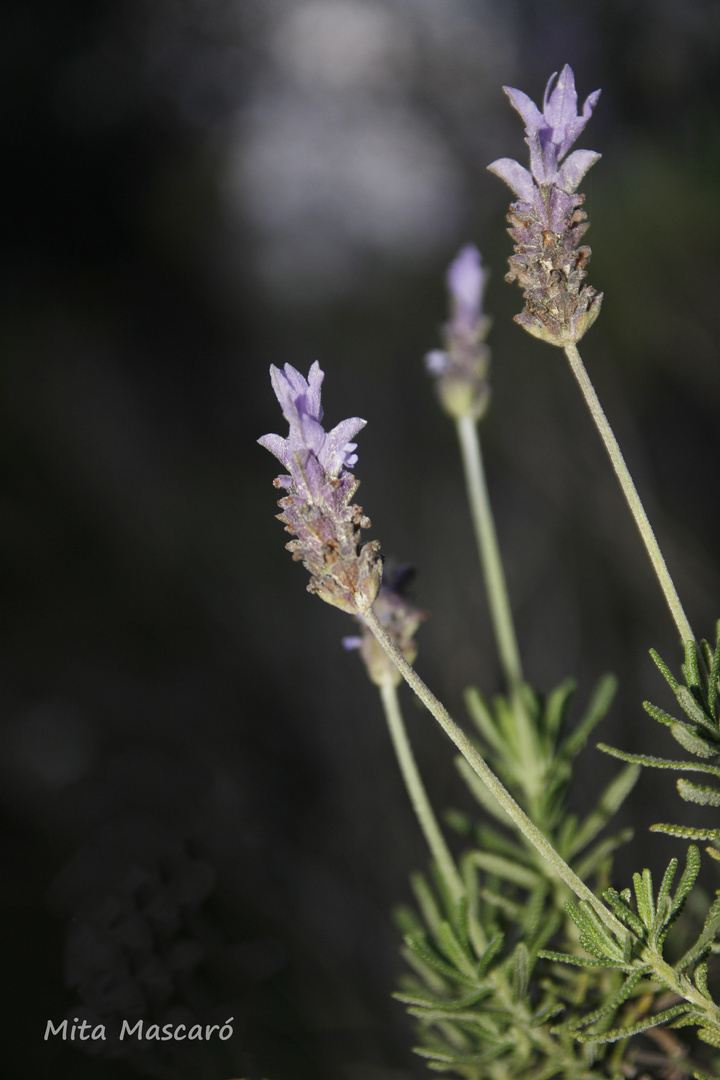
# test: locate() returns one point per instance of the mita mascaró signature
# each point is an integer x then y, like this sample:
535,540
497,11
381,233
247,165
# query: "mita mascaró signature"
83,1030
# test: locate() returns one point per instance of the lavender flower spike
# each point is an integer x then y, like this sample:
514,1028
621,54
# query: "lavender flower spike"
316,510
461,367
547,220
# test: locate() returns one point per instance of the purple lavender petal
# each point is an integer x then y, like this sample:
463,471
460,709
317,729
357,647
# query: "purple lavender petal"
526,107
575,167
315,378
466,281
333,454
560,111
515,176
277,446
437,362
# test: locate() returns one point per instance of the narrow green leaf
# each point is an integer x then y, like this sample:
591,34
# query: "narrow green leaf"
459,1004
520,972
597,930
464,1059
660,715
582,961
494,947
710,1035
635,1029
608,1008
597,708
624,913
482,793
425,952
504,868
556,708
691,670
644,898
610,801
692,740
664,910
667,673
708,934
694,710
454,951
483,719
698,793
714,677
684,832
659,763
426,901
700,978
689,876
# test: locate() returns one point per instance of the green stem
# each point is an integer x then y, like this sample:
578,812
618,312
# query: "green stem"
489,550
417,793
630,493
529,830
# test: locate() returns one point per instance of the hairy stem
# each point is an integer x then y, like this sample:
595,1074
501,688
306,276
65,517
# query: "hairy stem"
630,493
418,795
486,537
529,830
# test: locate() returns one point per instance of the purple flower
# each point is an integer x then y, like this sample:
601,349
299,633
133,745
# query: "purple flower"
547,220
316,510
466,282
461,367
309,451
549,135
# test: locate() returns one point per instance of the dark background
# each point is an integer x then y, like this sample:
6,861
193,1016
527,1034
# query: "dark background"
194,189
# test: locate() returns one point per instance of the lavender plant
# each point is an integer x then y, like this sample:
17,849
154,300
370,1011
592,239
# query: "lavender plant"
524,960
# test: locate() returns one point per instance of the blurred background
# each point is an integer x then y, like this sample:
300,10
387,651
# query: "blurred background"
201,814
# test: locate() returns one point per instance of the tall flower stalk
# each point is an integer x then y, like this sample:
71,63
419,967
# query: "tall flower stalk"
460,370
547,224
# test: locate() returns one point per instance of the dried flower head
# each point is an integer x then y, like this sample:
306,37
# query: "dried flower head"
316,509
399,617
461,367
547,222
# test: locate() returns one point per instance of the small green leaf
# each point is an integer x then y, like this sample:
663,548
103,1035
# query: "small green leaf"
483,718
582,961
644,898
635,1029
693,709
692,740
494,946
689,876
455,952
597,708
659,714
609,803
520,972
624,913
504,868
659,763
608,1008
690,669
420,946
700,978
684,832
697,793
667,673
556,708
